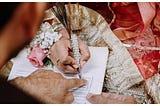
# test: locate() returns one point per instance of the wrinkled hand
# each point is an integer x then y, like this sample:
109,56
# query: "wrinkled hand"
110,98
62,55
48,87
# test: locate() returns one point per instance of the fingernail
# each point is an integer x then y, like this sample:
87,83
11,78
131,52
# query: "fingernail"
89,95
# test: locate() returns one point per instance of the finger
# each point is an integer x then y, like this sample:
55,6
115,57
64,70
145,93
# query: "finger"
96,99
68,61
116,98
69,98
110,98
84,50
74,83
71,54
68,69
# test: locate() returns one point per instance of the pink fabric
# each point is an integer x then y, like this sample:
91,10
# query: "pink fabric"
147,12
36,56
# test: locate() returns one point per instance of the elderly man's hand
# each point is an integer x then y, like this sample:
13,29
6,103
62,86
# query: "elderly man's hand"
110,98
48,87
62,55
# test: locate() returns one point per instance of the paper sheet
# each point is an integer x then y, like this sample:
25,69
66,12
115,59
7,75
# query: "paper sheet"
93,72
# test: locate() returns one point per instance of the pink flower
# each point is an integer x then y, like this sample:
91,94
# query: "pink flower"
36,56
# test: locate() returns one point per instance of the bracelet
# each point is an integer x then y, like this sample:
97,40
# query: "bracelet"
38,49
46,36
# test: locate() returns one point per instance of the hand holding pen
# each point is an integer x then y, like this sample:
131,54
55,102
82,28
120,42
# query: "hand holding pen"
62,55
60,13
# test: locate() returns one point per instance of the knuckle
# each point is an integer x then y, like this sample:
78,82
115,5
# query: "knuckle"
87,55
64,60
69,98
74,81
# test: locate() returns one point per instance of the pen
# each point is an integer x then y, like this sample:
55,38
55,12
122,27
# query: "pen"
76,52
79,74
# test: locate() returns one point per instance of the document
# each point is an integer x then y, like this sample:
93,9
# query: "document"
93,71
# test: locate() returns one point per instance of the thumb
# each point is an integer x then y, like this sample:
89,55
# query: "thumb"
95,99
75,82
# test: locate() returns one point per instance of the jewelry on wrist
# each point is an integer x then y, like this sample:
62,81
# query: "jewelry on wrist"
46,36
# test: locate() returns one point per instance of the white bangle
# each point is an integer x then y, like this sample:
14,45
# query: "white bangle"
46,36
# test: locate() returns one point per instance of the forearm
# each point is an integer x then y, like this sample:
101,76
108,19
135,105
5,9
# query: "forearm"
10,45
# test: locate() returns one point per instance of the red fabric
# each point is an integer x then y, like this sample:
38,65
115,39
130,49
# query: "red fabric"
133,26
148,64
128,21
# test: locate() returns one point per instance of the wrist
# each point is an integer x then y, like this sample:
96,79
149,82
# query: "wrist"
64,33
19,82
24,84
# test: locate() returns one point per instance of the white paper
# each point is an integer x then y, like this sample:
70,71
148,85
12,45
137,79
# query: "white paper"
93,71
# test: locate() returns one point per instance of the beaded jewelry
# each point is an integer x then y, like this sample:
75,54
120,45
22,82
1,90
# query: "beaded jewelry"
46,37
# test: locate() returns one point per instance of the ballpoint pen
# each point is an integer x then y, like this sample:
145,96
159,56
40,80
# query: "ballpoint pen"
60,12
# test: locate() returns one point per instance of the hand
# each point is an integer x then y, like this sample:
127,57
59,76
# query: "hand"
20,29
62,55
48,87
110,98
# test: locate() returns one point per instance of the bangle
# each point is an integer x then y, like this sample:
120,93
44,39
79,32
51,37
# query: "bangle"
39,47
46,36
